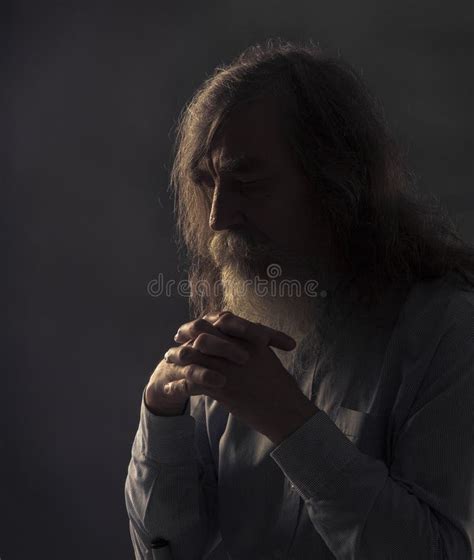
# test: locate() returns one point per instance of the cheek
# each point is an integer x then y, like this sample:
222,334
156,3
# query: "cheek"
268,217
285,215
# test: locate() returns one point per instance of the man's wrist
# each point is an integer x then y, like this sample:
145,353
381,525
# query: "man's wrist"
165,410
291,423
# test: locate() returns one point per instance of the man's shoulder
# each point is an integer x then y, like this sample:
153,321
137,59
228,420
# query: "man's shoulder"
446,295
434,307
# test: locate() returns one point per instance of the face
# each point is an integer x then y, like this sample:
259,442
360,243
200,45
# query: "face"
256,187
261,215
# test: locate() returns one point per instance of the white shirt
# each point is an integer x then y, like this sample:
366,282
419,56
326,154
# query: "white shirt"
384,470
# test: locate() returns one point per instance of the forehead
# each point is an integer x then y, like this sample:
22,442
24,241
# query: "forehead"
250,139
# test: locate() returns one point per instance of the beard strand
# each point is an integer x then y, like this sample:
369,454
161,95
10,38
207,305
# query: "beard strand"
242,262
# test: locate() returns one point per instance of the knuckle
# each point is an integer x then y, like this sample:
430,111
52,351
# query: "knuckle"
226,314
225,320
164,363
233,323
199,325
178,386
189,371
184,353
201,340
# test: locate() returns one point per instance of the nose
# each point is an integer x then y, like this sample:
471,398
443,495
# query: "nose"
225,210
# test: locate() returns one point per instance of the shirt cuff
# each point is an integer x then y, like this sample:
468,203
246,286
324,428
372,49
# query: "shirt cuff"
166,439
313,455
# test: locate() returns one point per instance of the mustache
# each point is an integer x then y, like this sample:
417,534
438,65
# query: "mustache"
242,238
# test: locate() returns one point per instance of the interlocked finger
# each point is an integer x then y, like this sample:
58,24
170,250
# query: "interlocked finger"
236,326
187,379
204,351
191,330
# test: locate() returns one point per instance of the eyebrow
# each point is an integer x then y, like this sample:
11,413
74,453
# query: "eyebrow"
242,164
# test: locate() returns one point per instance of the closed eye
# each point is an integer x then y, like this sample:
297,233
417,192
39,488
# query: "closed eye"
255,189
204,180
253,181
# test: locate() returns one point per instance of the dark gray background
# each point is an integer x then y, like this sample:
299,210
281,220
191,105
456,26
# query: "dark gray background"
92,92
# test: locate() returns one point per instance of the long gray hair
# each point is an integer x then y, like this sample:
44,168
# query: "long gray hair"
385,229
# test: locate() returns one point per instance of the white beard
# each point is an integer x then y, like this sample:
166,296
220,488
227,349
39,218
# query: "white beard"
300,316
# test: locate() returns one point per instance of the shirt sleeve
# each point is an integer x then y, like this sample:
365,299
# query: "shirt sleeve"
171,487
421,505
